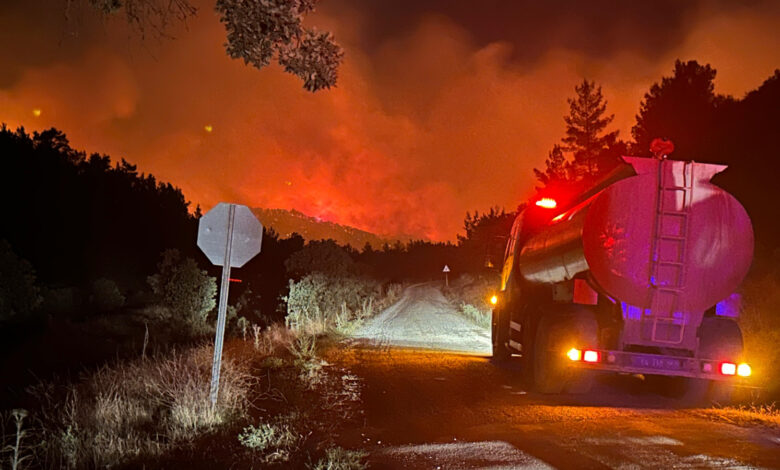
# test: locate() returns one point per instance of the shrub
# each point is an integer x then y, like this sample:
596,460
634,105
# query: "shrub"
276,440
319,303
186,290
19,294
310,371
268,436
106,296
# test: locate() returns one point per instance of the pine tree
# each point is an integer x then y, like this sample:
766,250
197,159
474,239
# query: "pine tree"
593,152
585,137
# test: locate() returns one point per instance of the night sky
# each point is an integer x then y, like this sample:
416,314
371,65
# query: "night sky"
441,106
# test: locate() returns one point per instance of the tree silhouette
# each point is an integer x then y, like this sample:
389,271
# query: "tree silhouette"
79,218
557,169
485,237
144,15
681,108
585,137
593,151
708,127
260,30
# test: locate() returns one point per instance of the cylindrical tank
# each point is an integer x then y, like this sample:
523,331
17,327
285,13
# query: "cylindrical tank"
666,232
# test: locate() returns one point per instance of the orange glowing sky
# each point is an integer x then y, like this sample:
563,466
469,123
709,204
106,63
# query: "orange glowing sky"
438,109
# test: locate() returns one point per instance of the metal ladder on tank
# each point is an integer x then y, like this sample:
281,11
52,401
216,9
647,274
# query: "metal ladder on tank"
668,288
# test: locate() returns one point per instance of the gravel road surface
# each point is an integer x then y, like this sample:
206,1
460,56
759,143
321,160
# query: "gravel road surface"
432,399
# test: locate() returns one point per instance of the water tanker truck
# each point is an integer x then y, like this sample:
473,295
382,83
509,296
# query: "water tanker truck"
635,275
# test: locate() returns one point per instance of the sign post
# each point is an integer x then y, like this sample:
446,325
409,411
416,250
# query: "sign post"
446,272
229,235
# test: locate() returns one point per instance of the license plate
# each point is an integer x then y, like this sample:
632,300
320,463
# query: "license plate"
655,362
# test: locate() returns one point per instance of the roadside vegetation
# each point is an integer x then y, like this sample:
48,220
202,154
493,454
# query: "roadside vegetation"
470,295
319,304
743,415
760,323
280,404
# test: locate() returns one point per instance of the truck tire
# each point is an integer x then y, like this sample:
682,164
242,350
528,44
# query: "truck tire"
555,334
499,334
719,339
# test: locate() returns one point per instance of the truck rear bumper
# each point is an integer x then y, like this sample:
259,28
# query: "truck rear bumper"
656,364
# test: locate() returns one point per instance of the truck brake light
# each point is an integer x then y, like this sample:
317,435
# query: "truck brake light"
591,356
728,368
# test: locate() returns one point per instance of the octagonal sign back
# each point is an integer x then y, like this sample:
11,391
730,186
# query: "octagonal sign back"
213,231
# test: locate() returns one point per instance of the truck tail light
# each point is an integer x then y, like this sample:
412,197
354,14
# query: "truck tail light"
728,368
744,370
574,354
591,356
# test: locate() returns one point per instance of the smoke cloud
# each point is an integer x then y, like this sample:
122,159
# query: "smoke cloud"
439,109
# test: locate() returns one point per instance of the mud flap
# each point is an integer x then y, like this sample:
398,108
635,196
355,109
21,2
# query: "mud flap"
499,334
571,326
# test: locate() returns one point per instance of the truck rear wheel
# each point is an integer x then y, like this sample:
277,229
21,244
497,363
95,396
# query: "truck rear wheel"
555,335
499,334
719,339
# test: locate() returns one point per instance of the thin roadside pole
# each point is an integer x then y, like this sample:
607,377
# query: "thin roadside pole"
222,312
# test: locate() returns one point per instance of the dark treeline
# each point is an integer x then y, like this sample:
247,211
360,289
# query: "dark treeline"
707,127
479,250
77,218
703,126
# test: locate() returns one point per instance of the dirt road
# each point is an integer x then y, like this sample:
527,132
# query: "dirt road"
439,409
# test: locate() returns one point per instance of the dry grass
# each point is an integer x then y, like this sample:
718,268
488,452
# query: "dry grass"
746,415
138,409
337,458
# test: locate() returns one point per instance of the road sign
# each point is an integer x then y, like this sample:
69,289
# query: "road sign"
446,272
229,235
213,234
446,269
